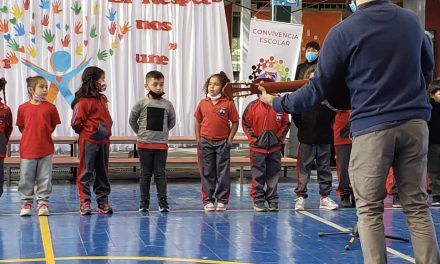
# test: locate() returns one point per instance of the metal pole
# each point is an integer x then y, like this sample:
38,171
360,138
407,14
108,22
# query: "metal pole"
418,6
273,10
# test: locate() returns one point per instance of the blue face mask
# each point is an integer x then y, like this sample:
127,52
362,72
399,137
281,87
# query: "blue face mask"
352,6
311,56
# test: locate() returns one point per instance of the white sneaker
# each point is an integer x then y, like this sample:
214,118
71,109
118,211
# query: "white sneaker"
43,210
299,204
26,209
435,204
328,204
209,207
221,207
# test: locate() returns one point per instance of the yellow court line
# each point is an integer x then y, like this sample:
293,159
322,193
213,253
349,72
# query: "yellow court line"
22,260
340,228
47,240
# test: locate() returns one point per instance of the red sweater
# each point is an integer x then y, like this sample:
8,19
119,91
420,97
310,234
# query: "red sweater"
91,119
264,128
36,123
341,128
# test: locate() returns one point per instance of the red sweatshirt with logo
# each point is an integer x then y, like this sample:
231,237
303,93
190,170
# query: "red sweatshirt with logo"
91,119
265,128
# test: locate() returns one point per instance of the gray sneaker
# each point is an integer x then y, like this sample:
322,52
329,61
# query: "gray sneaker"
328,204
299,204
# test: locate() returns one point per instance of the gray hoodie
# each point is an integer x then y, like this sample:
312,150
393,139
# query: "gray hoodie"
152,120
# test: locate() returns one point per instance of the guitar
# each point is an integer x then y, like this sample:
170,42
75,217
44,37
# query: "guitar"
339,98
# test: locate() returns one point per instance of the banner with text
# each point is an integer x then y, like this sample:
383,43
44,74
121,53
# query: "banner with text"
273,50
187,40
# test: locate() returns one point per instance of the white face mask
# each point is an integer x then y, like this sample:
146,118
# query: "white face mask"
214,97
102,87
39,98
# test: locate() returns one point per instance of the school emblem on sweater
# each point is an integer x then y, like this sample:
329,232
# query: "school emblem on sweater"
279,117
222,111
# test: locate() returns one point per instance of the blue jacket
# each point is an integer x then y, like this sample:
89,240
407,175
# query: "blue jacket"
384,58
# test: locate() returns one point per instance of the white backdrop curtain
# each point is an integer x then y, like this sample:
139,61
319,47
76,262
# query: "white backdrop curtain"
198,30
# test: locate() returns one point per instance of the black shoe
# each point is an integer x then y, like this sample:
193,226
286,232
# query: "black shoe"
353,200
346,202
104,208
144,207
260,207
163,205
273,207
396,202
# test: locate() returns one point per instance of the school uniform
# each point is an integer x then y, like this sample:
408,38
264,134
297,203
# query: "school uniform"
315,136
213,147
434,152
92,121
341,133
266,131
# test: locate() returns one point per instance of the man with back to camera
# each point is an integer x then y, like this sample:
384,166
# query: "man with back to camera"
384,58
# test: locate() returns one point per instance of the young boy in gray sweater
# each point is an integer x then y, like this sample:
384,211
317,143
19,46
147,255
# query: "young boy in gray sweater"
152,118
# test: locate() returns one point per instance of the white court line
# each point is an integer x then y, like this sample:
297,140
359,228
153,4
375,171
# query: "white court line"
340,228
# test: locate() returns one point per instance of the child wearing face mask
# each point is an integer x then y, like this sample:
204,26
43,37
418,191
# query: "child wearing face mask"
216,122
312,53
36,120
152,118
92,121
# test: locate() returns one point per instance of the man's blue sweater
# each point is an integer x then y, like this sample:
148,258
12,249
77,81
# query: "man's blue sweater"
384,58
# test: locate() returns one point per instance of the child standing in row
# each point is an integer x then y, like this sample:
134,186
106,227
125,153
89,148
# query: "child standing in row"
36,120
341,133
152,118
315,136
5,131
216,122
92,121
434,142
266,131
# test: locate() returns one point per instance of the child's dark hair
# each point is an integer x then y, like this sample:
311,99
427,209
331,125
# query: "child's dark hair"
32,83
3,83
154,75
89,86
434,86
221,76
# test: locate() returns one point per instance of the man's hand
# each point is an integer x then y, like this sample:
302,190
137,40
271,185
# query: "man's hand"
265,97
